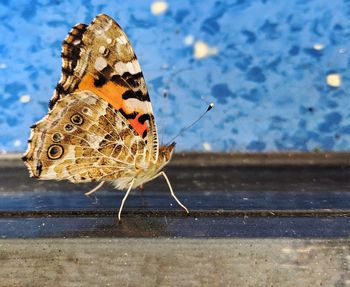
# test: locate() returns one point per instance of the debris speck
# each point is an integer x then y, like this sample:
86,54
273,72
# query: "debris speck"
189,40
318,47
203,50
17,143
24,99
334,80
3,66
159,7
206,146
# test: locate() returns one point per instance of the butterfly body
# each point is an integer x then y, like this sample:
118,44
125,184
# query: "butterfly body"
100,125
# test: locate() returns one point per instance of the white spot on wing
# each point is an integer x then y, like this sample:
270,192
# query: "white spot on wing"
122,40
132,67
109,25
120,67
103,29
133,104
136,65
100,63
102,49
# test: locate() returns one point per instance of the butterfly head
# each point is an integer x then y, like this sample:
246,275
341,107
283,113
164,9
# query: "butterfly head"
146,173
165,153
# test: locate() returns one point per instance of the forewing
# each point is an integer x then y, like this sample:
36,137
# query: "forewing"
99,58
84,139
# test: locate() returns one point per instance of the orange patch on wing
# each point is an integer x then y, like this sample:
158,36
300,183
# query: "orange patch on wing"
140,128
112,93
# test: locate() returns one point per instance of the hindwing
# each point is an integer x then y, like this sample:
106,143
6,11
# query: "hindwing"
84,139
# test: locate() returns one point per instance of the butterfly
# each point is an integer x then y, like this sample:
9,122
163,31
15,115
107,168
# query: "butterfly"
100,126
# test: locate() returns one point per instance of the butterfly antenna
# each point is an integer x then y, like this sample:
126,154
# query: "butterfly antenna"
211,105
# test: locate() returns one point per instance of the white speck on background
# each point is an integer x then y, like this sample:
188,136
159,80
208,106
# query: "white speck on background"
17,143
342,51
202,50
159,7
287,250
189,40
333,80
3,66
207,146
318,47
25,99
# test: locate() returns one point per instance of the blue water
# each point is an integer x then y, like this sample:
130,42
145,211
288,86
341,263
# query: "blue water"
266,69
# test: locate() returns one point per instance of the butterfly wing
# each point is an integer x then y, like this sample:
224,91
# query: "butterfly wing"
85,139
99,58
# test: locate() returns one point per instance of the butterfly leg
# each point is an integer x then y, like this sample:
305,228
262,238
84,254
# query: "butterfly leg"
94,189
124,199
172,192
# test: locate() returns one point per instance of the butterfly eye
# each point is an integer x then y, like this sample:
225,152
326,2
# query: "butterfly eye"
55,151
77,119
56,137
103,143
110,41
108,137
86,110
103,50
106,52
68,127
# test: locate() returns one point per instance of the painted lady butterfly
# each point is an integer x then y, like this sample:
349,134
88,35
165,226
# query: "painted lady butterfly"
100,125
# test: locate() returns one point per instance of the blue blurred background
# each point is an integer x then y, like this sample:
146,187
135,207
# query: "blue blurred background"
276,70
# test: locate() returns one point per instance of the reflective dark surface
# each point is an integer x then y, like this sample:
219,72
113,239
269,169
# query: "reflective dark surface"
225,201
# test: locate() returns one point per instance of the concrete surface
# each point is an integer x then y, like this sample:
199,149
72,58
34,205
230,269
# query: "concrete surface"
174,262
